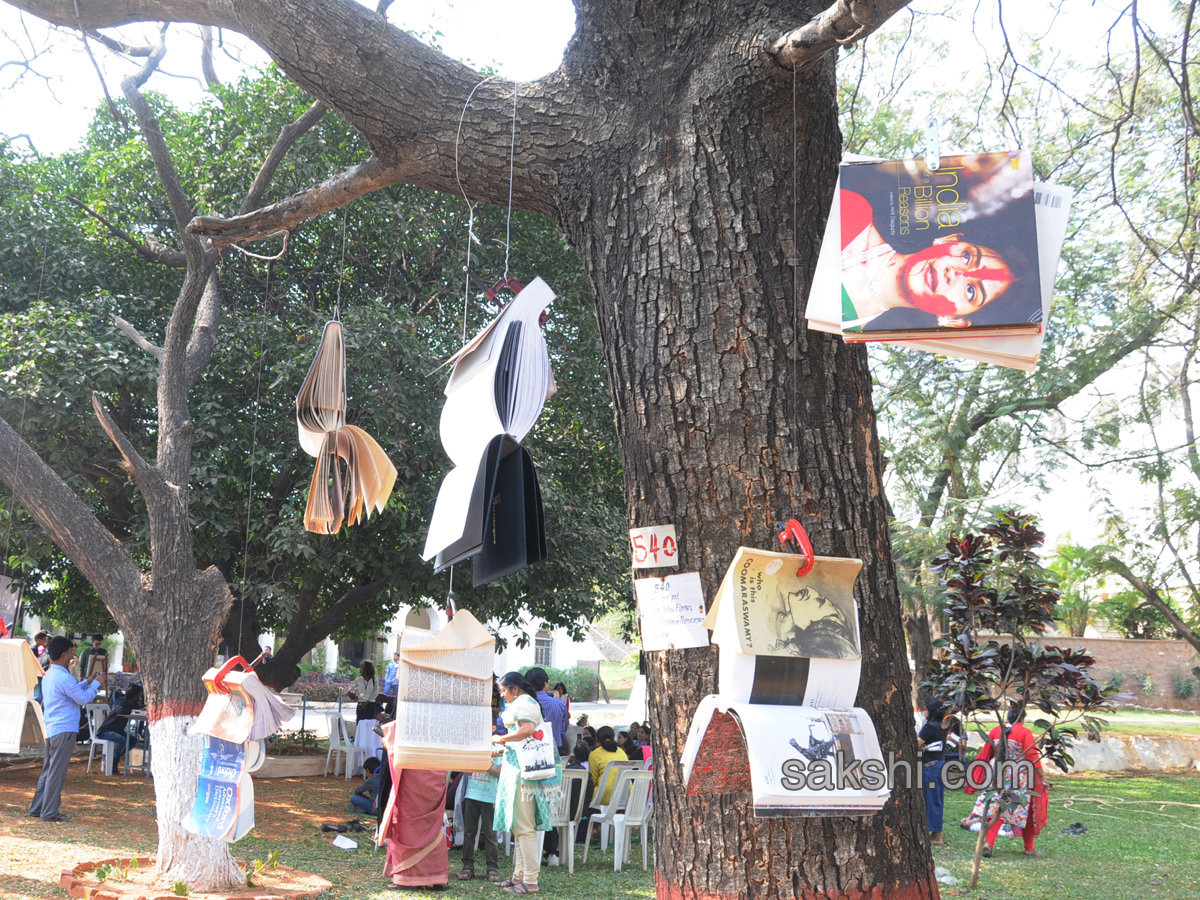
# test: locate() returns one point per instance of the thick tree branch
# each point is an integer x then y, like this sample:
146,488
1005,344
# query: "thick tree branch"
134,463
136,336
204,335
173,258
68,522
1155,599
336,192
206,57
335,616
181,205
119,46
288,136
845,22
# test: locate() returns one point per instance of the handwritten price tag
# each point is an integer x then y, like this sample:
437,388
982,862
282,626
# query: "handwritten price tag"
671,609
654,547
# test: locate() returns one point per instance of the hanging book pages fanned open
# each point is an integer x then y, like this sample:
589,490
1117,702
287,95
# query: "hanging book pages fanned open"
21,719
239,708
335,498
788,674
443,700
489,506
959,260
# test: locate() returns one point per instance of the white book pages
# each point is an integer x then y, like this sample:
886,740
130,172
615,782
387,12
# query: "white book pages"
498,385
802,761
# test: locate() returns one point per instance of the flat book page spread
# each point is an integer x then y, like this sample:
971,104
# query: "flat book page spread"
20,718
443,700
788,675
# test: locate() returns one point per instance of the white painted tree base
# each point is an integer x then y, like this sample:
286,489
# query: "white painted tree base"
203,864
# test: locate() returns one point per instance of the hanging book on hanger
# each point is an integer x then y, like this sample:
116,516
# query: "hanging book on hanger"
334,498
959,260
489,506
790,659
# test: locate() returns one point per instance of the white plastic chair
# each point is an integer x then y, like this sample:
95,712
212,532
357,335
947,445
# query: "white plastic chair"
605,816
597,811
339,745
96,714
635,816
565,819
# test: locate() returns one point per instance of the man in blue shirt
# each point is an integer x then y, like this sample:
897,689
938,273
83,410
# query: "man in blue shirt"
62,699
391,677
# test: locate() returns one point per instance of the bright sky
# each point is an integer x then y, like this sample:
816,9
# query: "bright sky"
524,39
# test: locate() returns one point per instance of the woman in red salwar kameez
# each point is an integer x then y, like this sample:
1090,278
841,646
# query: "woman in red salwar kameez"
1028,817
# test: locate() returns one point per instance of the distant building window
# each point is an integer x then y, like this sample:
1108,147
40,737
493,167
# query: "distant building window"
543,649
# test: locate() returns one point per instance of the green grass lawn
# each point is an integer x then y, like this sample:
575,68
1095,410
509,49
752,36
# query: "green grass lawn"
618,678
1141,843
1126,722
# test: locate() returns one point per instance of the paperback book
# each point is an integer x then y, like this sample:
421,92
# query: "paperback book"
959,260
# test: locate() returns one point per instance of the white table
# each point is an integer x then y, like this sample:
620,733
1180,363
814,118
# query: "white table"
366,742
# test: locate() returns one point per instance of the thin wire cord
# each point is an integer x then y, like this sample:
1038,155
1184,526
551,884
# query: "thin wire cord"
337,308
467,272
794,359
286,234
470,206
253,448
512,151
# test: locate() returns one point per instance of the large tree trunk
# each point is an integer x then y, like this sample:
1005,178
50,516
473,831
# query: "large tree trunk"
663,148
732,415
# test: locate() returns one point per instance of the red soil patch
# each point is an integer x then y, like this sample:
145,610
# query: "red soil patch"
280,883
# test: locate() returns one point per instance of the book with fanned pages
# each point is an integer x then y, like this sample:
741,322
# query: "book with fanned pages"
959,261
489,506
239,708
21,719
444,700
335,498
784,719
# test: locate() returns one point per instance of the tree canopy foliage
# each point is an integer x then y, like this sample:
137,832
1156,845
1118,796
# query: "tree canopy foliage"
395,266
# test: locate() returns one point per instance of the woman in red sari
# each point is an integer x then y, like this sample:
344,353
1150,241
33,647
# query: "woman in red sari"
1028,817
417,855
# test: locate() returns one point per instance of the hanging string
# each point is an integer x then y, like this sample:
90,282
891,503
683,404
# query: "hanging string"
337,306
12,509
286,234
512,151
794,357
471,212
253,449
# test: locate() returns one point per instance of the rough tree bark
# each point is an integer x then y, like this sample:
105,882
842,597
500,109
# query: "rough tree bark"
663,147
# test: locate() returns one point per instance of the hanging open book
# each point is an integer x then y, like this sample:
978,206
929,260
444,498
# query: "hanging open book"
958,260
334,498
489,505
784,716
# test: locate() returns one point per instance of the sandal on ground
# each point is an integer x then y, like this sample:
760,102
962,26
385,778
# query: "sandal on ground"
987,852
520,887
506,883
466,874
1034,853
493,876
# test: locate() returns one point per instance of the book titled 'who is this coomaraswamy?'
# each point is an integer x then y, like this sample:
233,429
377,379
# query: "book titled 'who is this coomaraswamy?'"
959,260
784,718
